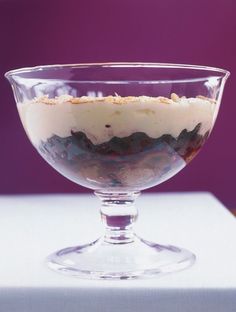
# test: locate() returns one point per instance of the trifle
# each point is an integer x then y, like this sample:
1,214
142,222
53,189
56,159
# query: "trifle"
118,128
118,142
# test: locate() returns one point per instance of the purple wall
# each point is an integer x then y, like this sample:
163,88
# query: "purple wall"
48,32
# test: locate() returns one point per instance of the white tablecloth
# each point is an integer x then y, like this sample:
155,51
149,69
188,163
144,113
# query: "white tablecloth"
31,227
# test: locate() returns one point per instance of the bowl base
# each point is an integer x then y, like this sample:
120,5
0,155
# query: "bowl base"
136,259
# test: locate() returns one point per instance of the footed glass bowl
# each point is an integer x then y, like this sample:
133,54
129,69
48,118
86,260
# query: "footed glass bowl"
118,128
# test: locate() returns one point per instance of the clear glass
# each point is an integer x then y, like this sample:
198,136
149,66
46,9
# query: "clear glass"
118,128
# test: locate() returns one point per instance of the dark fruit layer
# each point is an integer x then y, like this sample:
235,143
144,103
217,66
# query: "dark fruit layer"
136,161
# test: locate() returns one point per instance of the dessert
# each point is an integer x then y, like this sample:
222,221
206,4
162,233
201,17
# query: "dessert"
116,142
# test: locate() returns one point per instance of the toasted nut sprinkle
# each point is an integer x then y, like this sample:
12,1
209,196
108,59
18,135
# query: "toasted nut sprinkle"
206,98
50,101
174,97
75,101
85,99
117,99
164,100
45,100
78,100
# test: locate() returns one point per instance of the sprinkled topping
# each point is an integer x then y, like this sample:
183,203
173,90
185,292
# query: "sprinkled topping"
174,97
206,98
117,99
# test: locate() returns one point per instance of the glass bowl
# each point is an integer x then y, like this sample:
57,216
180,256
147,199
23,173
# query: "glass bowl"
118,128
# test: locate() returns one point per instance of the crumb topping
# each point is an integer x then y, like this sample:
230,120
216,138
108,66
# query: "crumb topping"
117,99
206,98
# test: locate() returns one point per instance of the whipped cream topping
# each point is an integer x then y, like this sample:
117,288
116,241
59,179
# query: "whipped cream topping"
102,118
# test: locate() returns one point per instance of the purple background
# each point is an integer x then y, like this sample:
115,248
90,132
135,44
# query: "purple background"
48,32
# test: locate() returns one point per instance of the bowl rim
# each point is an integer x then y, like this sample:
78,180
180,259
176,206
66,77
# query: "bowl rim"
23,70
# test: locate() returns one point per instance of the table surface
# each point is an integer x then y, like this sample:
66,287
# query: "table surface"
31,227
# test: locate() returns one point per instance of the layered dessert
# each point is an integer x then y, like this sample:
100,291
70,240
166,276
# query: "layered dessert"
116,142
